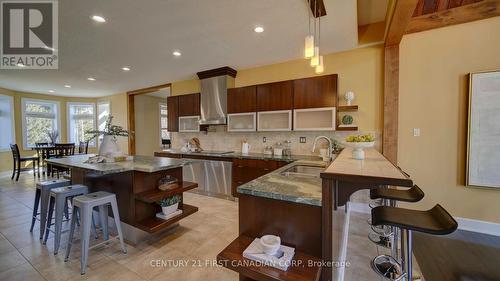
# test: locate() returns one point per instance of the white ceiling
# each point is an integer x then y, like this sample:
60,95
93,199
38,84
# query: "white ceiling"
143,34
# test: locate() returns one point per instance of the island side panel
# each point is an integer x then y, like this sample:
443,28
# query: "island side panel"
149,181
298,225
121,184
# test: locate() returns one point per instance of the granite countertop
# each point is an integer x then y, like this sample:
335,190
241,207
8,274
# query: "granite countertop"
148,164
239,155
298,189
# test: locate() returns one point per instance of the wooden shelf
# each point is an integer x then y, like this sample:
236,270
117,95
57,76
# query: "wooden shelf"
342,108
354,128
232,258
152,196
155,224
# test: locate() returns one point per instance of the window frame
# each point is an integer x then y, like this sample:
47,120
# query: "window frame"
13,121
57,117
69,119
160,116
99,138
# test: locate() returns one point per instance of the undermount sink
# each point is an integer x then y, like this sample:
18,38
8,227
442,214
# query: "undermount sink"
303,171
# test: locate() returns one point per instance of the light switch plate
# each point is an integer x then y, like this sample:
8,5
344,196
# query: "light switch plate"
416,132
302,139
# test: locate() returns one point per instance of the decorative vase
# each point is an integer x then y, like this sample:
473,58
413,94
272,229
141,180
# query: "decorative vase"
169,209
358,153
349,96
109,147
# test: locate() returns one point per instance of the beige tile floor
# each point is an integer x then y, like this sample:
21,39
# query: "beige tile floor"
196,242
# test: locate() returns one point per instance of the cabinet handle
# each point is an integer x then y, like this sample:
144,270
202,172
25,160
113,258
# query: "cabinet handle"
241,166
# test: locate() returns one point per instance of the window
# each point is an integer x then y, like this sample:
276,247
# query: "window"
164,134
8,135
81,118
40,117
103,111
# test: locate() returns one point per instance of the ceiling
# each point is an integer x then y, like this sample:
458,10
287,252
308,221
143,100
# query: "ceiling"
143,34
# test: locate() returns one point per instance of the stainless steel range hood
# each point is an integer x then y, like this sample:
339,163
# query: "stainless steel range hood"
213,96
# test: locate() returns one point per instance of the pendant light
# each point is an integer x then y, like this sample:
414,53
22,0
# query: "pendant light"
319,67
315,58
309,41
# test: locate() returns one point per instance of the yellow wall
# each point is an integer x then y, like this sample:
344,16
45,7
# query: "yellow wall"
6,157
119,111
359,70
433,97
147,118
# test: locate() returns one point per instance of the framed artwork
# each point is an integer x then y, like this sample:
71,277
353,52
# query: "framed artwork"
483,144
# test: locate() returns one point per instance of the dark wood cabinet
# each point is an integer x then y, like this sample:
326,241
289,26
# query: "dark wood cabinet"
241,100
315,92
173,113
189,105
245,170
275,96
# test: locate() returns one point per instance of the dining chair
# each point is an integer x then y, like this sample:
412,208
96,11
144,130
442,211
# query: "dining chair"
17,159
44,152
83,147
62,150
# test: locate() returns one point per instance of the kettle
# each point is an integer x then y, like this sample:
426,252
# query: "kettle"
245,147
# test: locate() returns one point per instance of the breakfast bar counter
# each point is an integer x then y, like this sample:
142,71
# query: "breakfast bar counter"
135,183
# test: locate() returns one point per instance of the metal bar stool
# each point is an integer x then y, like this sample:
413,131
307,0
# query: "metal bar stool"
435,221
59,198
42,197
84,205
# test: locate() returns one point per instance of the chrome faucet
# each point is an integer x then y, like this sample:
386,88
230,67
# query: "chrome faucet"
329,146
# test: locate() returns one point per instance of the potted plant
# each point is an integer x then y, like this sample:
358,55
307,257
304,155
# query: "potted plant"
169,204
359,142
109,146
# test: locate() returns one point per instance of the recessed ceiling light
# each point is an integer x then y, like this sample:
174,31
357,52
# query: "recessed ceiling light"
125,68
98,18
176,53
67,86
52,91
91,79
21,65
258,29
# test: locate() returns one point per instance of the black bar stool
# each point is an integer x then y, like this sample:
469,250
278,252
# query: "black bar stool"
435,221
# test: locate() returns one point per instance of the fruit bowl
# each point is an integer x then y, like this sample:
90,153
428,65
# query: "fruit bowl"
359,143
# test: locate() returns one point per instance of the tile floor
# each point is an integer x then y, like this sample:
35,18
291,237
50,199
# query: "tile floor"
197,241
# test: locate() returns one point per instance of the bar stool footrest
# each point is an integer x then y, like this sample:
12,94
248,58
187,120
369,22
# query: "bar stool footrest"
387,267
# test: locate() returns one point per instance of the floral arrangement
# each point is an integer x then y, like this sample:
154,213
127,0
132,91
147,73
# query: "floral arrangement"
109,130
169,201
53,135
360,138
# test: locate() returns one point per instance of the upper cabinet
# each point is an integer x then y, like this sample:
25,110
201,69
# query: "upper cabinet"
275,96
315,92
189,105
173,113
242,100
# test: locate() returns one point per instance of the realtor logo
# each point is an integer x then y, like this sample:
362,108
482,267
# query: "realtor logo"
29,38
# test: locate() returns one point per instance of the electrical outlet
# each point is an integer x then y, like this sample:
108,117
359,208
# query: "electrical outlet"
264,139
302,139
416,132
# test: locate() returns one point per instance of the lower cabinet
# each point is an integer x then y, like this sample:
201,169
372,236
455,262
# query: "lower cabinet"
245,170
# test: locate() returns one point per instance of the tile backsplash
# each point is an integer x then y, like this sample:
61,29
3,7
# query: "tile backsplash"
219,139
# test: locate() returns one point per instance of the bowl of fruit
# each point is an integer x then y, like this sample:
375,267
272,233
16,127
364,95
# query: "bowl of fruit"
358,143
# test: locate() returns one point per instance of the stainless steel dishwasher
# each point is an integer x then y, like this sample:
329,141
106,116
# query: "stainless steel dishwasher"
213,177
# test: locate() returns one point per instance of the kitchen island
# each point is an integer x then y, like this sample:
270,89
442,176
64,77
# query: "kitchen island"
135,183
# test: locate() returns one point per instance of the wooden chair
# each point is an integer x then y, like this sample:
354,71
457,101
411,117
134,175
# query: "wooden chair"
44,153
62,150
83,147
17,159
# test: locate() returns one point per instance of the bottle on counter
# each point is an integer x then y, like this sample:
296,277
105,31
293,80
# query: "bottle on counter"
278,149
287,150
268,150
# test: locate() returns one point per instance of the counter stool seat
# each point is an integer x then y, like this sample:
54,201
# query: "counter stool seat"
435,221
413,194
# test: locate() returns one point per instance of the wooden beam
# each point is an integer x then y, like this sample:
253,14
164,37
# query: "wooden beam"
149,89
391,103
476,11
402,14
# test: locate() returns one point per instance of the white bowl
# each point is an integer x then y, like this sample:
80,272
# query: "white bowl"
270,244
361,144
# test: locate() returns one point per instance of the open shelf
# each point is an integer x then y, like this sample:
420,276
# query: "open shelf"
342,108
232,258
155,224
152,196
351,128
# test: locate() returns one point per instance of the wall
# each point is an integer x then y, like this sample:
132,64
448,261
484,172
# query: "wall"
119,112
147,117
433,97
6,157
